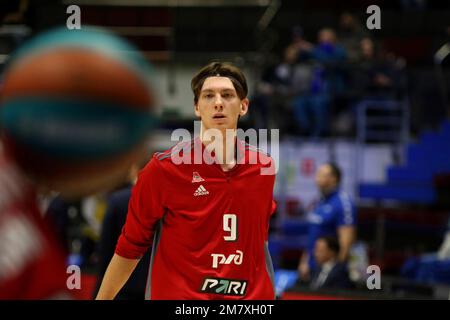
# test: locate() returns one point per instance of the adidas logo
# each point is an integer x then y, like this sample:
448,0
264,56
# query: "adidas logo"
201,191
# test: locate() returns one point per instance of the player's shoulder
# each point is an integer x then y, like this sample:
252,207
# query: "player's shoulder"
175,149
255,150
173,158
262,157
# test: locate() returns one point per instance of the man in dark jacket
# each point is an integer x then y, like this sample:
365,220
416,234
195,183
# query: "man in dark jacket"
331,273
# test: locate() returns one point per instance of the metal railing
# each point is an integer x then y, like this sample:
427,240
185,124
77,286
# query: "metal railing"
381,121
387,122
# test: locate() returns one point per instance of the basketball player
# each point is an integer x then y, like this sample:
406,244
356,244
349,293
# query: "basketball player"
208,223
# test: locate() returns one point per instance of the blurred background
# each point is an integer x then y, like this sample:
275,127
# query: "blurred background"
375,102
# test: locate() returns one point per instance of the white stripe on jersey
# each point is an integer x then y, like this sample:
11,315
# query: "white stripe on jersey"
347,207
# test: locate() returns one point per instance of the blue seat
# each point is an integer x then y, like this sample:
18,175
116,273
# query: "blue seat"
413,182
427,269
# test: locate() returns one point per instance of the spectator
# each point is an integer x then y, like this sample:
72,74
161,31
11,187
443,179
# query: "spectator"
350,34
274,90
378,75
328,50
334,215
327,80
302,46
330,274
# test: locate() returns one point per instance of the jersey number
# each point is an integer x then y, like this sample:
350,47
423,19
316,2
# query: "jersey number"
230,225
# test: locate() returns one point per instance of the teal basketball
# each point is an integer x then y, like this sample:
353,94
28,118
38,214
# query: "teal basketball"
77,108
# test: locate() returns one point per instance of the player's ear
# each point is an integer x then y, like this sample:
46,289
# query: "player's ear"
244,107
196,109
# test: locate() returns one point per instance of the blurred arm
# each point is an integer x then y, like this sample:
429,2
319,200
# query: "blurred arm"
303,267
346,236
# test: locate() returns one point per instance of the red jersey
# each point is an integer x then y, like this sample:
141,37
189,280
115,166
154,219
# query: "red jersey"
209,228
32,265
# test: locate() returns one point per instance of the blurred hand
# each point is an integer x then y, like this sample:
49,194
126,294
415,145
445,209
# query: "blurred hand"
303,45
304,271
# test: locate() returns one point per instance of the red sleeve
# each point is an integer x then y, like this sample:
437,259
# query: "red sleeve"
145,208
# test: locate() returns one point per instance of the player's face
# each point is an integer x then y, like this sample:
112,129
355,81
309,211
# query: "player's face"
219,106
324,179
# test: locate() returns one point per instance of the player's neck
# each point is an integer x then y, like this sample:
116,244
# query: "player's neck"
224,148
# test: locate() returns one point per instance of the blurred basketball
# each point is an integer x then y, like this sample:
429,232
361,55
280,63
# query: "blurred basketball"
77,107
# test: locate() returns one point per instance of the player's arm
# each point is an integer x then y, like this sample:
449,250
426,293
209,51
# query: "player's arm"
346,237
145,209
116,275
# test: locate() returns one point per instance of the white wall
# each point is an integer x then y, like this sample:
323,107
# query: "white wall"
300,161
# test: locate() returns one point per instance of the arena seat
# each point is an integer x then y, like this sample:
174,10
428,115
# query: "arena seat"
413,182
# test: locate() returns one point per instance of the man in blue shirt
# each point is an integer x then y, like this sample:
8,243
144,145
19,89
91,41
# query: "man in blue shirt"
334,215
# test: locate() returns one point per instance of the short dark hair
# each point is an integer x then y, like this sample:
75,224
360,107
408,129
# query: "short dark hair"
335,171
332,243
222,69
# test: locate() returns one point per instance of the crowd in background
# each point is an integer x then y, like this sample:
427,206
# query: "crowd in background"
314,89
